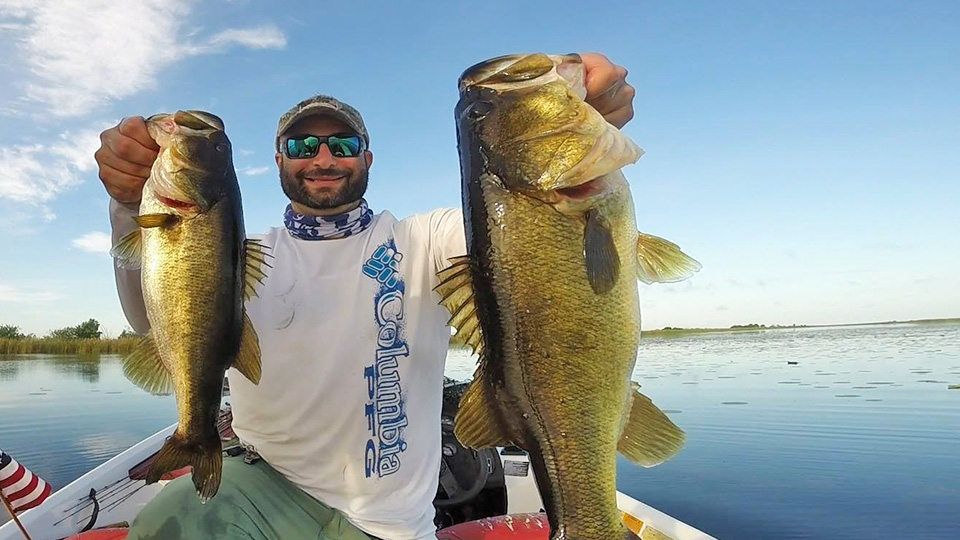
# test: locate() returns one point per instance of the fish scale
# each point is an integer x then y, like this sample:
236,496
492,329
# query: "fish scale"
193,306
549,310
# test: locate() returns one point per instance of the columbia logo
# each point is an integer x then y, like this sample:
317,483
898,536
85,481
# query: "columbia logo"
382,266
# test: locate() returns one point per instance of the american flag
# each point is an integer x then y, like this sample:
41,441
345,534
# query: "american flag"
20,487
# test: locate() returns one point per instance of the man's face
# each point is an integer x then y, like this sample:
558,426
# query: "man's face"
324,181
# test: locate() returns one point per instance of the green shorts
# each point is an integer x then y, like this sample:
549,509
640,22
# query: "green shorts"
254,502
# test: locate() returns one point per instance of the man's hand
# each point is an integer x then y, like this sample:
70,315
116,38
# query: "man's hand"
607,88
125,156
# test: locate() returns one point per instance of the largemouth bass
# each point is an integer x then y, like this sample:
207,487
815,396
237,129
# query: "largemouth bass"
196,270
547,295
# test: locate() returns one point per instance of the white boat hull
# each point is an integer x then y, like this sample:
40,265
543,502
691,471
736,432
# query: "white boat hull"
119,499
68,510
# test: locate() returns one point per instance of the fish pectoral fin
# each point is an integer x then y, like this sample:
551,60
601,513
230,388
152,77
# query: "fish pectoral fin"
457,295
600,253
149,221
248,357
661,261
144,368
255,264
126,254
475,425
648,437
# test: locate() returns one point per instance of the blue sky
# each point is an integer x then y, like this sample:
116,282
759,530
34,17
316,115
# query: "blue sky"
805,152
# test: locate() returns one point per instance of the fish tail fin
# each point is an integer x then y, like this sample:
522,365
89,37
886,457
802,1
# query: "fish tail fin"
204,456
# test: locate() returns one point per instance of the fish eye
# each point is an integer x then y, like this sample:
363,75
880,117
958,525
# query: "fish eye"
480,109
222,147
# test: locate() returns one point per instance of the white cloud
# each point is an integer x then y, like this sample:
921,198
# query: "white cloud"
254,171
95,242
13,295
37,173
86,53
264,37
25,177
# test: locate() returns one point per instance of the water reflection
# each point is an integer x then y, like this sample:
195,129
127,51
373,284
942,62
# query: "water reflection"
62,416
9,369
86,369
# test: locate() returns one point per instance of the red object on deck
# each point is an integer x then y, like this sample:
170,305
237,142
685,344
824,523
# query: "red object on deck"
512,527
177,473
112,533
515,527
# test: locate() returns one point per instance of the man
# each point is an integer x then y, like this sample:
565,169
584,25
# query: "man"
353,341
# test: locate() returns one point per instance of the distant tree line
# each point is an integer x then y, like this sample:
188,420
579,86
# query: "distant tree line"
755,325
9,331
89,329
85,338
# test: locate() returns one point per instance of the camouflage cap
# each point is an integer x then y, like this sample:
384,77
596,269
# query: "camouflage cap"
323,105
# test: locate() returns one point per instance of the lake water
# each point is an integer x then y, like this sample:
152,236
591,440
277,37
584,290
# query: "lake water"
860,439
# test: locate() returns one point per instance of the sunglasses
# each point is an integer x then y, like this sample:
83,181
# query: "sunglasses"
307,146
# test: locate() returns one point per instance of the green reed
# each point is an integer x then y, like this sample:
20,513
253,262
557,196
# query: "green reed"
79,347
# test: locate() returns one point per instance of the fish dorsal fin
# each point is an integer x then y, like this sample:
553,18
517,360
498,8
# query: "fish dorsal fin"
248,356
661,261
648,437
144,368
149,221
475,425
126,254
457,295
255,262
600,253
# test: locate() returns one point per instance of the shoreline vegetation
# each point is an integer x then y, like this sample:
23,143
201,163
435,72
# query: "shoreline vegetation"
670,331
94,346
84,340
71,346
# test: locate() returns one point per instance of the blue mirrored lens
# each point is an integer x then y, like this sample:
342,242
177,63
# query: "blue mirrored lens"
344,146
301,148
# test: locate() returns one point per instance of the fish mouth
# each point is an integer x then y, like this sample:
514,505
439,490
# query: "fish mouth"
516,71
172,131
190,121
163,126
574,200
198,120
586,190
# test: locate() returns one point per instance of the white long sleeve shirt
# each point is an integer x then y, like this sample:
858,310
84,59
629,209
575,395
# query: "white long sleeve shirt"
353,343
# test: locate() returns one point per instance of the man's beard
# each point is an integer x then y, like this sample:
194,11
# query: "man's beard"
352,189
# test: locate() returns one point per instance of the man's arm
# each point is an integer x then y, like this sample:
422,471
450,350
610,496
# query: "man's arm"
447,236
125,156
128,281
